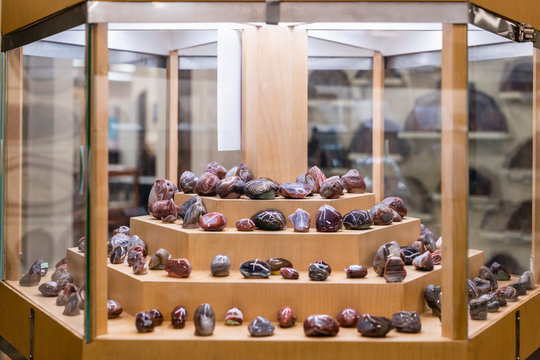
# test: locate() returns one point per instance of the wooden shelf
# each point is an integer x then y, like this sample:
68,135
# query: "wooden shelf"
266,296
235,209
436,135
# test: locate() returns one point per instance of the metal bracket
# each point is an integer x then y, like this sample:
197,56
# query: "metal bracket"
525,33
32,318
272,12
517,334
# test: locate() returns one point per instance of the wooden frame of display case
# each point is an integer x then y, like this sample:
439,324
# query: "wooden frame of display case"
259,107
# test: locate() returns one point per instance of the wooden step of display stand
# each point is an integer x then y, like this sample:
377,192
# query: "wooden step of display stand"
265,297
235,209
339,249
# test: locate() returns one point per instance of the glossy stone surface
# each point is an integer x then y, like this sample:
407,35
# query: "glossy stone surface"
407,322
204,320
485,273
234,317
121,229
301,220
356,272
437,257
179,268
157,317
527,278
113,309
432,295
213,221
230,188
286,317
81,244
383,253
427,238
357,220
72,307
188,181
410,254
193,213
49,288
178,317
348,317
166,210
508,292
521,288
216,168
374,326
144,322
472,291
118,255
395,216
32,277
62,277
187,204
255,269
492,302
277,263
381,215
328,219
159,259
119,240
63,297
289,273
397,204
261,327
320,325
270,219
245,225
295,190
394,270
354,182
318,177
139,265
482,286
133,254
307,179
318,272
220,266
478,309
423,262
261,188
206,185
331,189
136,240
499,271
241,171
161,190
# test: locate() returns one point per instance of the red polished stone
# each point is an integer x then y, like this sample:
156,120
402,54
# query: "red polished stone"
180,268
245,225
286,317
213,221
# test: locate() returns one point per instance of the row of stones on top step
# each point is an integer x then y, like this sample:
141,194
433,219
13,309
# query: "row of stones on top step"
484,294
314,325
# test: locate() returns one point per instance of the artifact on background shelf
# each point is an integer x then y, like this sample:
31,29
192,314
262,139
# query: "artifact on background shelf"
193,213
186,205
486,274
482,286
204,320
432,294
499,297
159,259
234,317
166,210
472,291
527,278
357,220
206,184
395,216
113,309
213,221
383,253
286,317
136,240
261,188
407,322
118,255
308,180
261,327
82,296
492,302
325,264
499,271
318,272
179,268
294,190
301,220
118,240
397,204
289,273
63,297
81,244
437,257
72,307
216,168
508,292
331,188
49,288
328,219
220,266
270,219
318,177
353,181
144,322
348,317
157,317
255,269
139,265
277,263
320,325
230,188
33,276
520,287
381,215
62,277
188,181
241,171
374,326
245,225
410,254
133,254
427,238
478,309
161,190
423,262
356,272
394,270
121,229
178,317
62,262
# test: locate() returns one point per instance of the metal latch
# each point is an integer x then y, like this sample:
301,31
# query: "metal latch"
525,33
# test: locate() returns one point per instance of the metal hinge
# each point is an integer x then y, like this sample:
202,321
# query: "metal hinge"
525,33
272,12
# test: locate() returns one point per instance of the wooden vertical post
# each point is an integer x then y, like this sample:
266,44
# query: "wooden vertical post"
13,165
378,126
454,174
274,101
535,251
99,181
171,167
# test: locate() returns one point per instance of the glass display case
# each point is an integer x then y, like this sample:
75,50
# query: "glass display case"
168,163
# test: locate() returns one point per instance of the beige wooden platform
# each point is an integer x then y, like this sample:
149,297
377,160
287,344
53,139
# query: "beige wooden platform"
235,209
